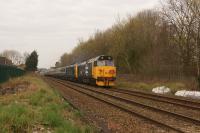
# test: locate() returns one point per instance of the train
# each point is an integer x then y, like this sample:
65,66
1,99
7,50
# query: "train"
99,71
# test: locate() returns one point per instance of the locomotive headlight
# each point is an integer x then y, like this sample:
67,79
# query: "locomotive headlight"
112,71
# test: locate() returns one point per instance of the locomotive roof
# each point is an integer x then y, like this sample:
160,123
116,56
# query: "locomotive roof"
93,59
90,60
97,58
70,66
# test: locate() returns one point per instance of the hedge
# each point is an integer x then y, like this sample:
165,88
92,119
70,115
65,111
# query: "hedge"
7,72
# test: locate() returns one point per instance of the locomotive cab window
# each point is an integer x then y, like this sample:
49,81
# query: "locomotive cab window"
109,62
105,61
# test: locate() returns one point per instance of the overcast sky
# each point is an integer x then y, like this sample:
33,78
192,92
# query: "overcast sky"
53,27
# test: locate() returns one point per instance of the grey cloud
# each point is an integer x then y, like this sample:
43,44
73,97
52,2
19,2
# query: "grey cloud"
52,27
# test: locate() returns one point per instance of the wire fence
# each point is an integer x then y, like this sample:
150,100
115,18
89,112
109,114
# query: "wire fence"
7,72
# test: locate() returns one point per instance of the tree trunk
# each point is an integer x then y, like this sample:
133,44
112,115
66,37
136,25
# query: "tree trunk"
198,56
128,64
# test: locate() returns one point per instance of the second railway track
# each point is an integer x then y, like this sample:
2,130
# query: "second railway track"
126,104
166,99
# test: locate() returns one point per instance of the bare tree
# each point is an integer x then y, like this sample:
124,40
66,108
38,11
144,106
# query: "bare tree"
195,9
65,59
181,18
25,56
14,56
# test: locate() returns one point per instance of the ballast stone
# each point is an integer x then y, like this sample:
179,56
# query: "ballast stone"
161,90
190,94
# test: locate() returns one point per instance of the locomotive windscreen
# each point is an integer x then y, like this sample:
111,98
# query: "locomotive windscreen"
105,61
105,58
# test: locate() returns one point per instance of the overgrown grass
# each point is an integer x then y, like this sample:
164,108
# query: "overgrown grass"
41,97
40,105
174,86
16,118
51,115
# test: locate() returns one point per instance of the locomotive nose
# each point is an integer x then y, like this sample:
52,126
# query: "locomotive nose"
109,72
106,71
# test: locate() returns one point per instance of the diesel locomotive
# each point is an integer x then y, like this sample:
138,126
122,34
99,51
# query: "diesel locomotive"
99,71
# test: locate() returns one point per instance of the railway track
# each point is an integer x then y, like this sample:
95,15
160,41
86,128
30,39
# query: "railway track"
186,103
93,93
190,119
166,99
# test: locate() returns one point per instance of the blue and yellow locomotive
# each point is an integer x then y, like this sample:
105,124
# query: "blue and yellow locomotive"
99,71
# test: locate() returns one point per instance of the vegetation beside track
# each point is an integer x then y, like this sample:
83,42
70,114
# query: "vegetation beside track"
131,82
149,86
39,108
8,71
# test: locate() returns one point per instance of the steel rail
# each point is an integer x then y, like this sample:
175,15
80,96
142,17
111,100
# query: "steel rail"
129,101
165,99
117,105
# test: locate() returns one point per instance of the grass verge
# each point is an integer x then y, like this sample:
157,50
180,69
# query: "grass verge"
148,86
40,108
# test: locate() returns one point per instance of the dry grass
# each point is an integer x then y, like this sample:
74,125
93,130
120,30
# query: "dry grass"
133,82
